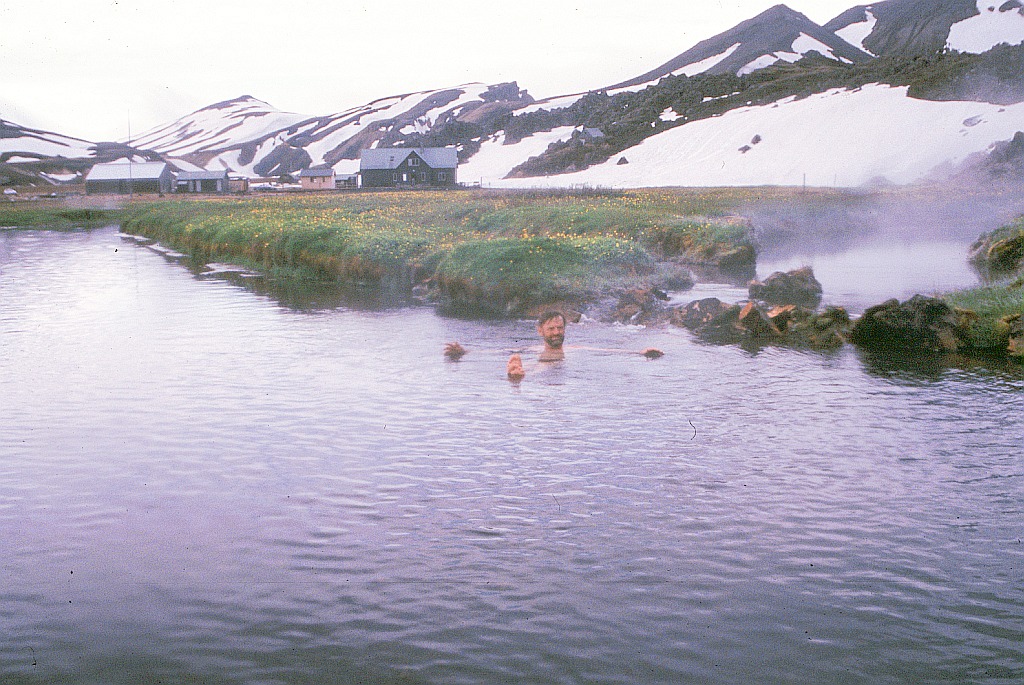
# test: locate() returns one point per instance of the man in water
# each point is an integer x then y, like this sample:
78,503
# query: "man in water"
551,329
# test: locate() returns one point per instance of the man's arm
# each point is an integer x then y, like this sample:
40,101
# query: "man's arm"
454,351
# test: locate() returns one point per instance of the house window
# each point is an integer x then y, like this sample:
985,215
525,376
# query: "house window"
395,177
423,176
442,176
414,161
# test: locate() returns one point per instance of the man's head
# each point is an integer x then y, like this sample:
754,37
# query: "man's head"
551,327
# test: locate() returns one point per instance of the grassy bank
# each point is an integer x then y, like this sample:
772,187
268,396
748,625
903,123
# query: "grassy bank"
476,248
54,217
993,304
998,255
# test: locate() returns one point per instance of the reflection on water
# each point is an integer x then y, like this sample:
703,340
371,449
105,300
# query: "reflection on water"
205,481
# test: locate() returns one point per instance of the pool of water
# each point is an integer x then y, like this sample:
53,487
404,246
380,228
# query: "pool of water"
205,479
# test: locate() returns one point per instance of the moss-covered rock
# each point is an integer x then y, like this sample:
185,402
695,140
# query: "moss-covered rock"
918,324
1000,252
792,287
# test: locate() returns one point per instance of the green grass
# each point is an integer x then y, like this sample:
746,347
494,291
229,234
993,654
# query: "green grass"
55,217
999,255
533,270
992,304
527,245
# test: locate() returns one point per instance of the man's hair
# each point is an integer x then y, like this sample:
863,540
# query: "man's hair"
548,315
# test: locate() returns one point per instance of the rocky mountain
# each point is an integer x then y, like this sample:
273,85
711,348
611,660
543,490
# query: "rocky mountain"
29,155
250,137
921,71
777,34
913,27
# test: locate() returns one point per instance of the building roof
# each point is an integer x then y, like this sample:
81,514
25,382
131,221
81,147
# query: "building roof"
392,158
202,175
116,171
309,173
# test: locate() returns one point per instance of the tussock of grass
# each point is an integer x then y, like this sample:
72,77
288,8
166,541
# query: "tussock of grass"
537,269
992,304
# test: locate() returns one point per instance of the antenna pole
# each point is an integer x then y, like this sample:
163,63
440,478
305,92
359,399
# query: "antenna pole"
131,180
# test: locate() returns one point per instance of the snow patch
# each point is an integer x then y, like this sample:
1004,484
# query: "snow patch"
550,104
48,146
495,159
854,34
804,44
801,46
706,63
670,115
61,178
988,29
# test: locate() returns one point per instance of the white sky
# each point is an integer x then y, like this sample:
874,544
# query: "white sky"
87,68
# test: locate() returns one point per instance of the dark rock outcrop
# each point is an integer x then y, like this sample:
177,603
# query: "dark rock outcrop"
924,324
640,306
804,327
699,312
793,287
714,321
998,254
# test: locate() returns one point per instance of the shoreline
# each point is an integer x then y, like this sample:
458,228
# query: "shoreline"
507,254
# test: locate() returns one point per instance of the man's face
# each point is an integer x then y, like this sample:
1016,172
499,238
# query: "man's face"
553,331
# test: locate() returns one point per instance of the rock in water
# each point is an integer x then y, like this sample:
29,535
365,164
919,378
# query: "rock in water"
794,287
698,312
919,324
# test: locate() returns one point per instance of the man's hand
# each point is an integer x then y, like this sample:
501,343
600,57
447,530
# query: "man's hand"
454,351
515,368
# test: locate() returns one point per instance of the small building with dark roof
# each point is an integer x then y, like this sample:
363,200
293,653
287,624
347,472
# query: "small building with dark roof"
409,167
129,177
202,181
317,179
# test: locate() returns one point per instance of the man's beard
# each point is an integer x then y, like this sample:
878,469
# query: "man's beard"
554,340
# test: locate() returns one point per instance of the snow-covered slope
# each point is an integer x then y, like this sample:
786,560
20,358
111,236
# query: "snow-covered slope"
841,137
228,123
992,25
20,144
907,27
251,137
777,34
838,138
496,158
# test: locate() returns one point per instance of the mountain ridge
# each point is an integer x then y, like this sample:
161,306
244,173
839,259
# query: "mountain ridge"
778,54
767,35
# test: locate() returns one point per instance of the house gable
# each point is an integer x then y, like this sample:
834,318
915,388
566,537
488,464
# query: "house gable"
392,167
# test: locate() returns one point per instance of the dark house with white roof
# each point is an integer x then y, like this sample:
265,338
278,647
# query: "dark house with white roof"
129,177
409,167
202,181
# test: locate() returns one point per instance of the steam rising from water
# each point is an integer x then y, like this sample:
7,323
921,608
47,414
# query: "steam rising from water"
836,222
868,247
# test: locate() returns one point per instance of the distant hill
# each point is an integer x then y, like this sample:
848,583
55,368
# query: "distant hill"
249,136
